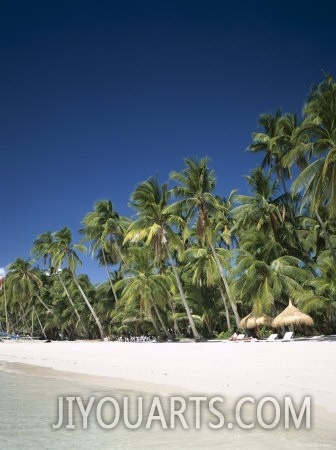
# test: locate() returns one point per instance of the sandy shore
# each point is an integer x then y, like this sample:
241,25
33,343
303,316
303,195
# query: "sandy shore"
226,369
234,370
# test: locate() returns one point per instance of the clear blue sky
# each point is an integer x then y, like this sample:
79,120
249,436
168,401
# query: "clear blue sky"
97,96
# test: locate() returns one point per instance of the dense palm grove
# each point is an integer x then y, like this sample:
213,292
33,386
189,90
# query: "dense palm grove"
192,263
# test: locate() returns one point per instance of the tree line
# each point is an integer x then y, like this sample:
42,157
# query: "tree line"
193,262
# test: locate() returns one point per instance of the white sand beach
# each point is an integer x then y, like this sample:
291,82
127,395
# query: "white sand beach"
233,370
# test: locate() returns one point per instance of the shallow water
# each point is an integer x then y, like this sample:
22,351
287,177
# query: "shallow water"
29,408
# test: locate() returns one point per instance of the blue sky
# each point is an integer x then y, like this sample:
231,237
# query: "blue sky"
98,96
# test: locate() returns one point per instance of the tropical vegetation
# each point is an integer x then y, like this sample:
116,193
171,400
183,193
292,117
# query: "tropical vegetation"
194,261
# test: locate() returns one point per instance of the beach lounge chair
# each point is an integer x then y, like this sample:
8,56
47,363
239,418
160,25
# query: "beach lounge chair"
287,337
272,337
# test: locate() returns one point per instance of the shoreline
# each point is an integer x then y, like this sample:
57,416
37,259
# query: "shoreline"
225,369
296,369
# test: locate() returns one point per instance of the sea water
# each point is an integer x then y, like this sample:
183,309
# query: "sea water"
30,406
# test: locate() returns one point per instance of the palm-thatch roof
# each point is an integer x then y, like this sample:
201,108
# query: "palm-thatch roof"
292,316
248,321
264,321
253,321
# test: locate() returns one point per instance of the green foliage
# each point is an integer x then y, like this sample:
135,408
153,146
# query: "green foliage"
192,257
224,334
264,332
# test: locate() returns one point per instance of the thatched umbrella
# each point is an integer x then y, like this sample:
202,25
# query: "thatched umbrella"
248,322
264,321
292,316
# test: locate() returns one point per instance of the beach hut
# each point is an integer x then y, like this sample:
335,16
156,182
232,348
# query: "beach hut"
253,321
248,321
292,316
264,321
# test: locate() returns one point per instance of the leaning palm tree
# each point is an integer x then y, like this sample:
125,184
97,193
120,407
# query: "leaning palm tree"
153,225
194,194
63,251
43,248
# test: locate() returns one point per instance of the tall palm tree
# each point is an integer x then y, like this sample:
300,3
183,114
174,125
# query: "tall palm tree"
283,146
194,194
43,248
103,229
297,148
63,251
153,225
259,210
272,142
317,181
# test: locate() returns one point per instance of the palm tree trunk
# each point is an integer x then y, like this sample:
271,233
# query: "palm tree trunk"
32,327
109,276
72,303
227,314
94,315
156,328
223,277
161,320
326,235
42,303
176,327
42,329
23,318
184,300
6,313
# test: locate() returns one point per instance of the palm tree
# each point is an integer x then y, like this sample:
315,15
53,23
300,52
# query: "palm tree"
283,146
272,142
103,229
43,248
260,210
319,296
207,310
24,284
142,282
266,211
63,251
264,274
153,225
204,272
194,193
23,281
317,181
